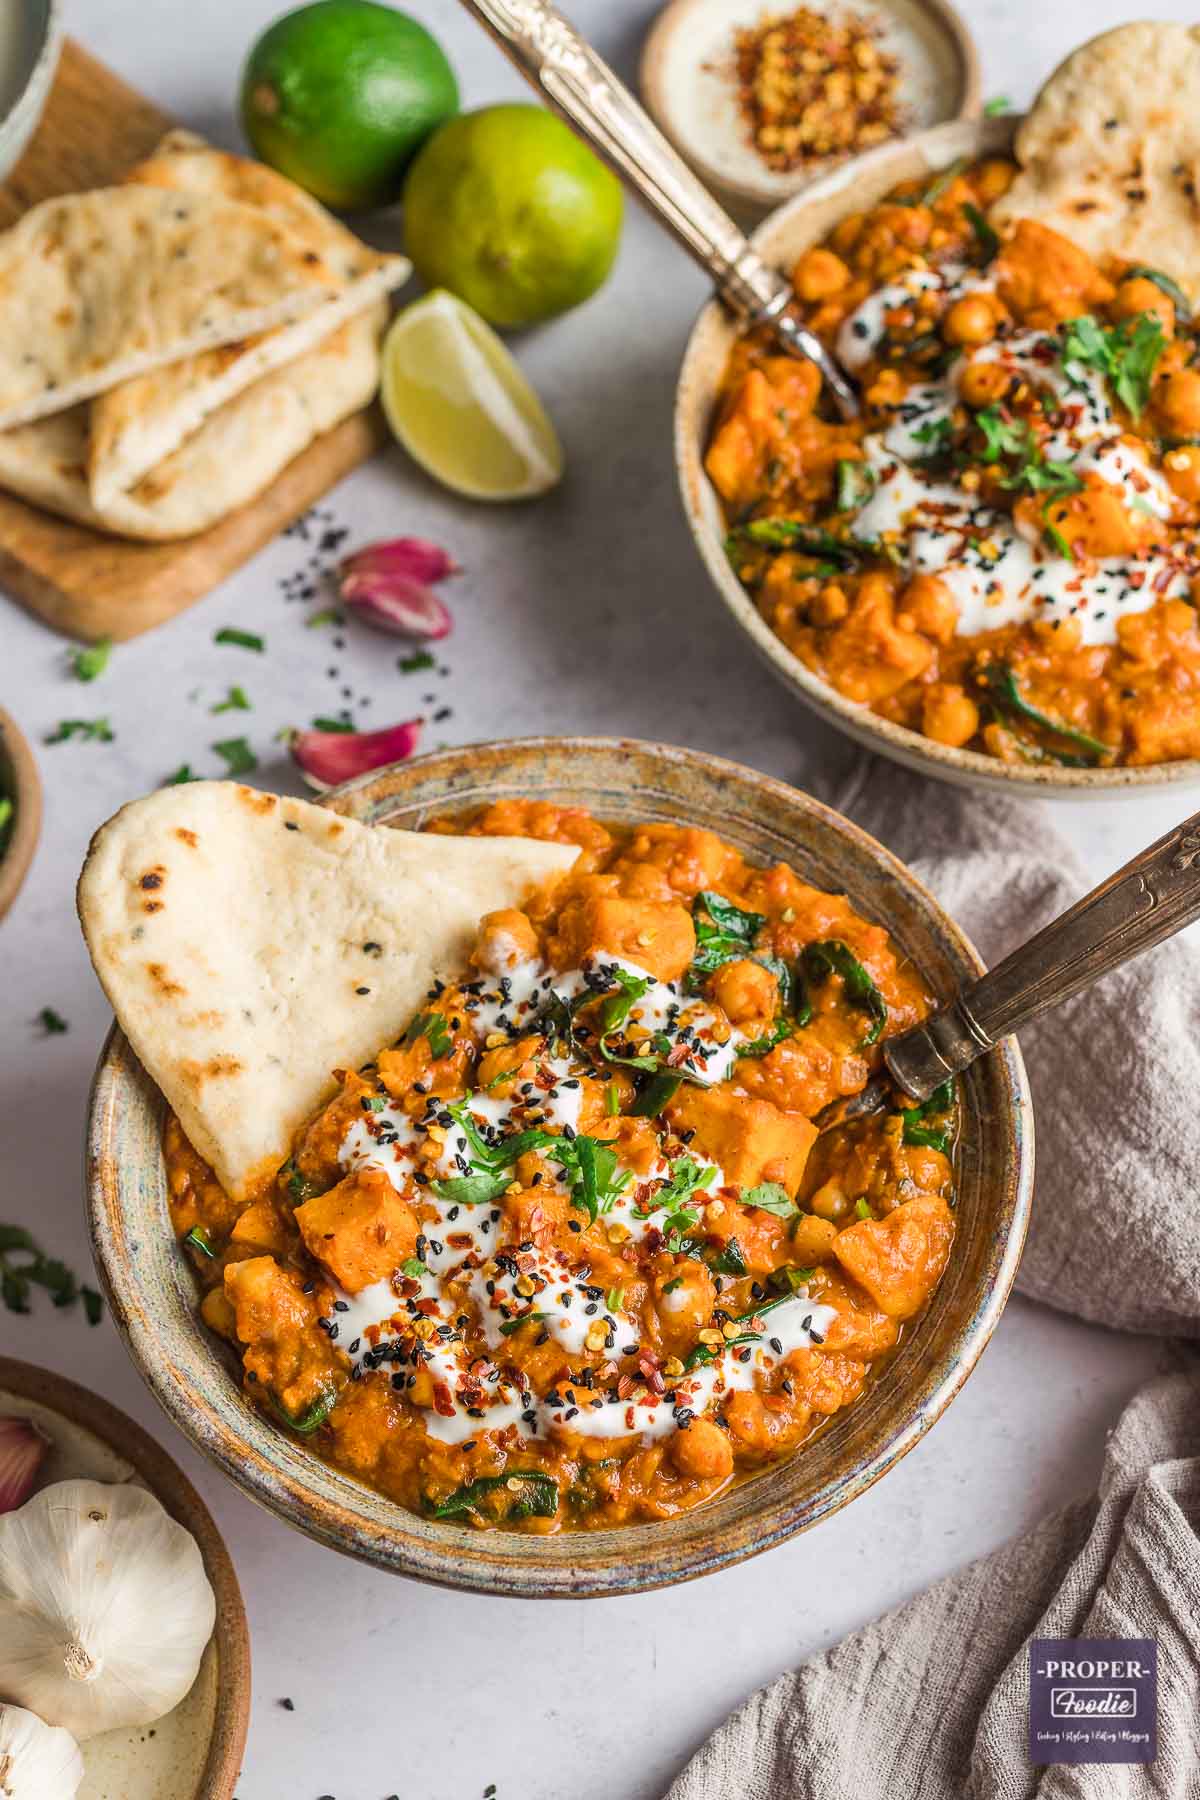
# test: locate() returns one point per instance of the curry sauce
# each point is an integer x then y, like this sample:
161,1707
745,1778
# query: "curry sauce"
1002,552
572,1252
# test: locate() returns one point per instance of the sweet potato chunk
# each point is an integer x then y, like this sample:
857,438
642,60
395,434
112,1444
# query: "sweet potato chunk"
361,1230
899,1260
260,1227
657,935
751,1139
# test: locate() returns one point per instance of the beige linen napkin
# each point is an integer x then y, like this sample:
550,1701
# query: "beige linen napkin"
1115,1073
931,1701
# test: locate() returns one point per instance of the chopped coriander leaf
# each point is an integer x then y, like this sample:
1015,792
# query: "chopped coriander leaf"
728,1260
234,701
184,772
325,724
97,731
245,640
996,107
862,1209
237,755
413,1267
419,659
91,660
1125,354
329,616
792,1278
615,1299
432,1027
24,1265
530,1318
770,1197
52,1023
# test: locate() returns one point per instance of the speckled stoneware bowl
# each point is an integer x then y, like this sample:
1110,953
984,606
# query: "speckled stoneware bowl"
154,1300
30,45
21,783
801,222
194,1752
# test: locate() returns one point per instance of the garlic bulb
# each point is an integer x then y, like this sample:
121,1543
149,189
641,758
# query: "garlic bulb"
37,1761
105,1608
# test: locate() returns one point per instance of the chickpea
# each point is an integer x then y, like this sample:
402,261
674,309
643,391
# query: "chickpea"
745,991
1182,469
949,715
931,607
1137,295
830,1201
702,1452
1177,401
970,321
819,275
888,388
830,606
992,179
982,383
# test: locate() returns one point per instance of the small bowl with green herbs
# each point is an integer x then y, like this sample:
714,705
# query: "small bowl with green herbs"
20,809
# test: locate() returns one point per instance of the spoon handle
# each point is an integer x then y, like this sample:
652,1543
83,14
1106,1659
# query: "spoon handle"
551,54
1150,899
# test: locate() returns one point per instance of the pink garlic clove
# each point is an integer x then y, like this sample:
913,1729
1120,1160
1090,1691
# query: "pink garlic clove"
22,1452
389,586
327,758
416,558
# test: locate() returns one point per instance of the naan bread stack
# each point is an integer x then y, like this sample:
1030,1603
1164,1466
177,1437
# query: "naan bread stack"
167,346
1110,153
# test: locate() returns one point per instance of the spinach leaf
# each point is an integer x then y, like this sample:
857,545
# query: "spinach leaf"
1172,289
1125,354
762,1046
917,1127
1000,685
314,1416
831,956
798,534
987,240
432,1027
770,1197
724,933
526,1493
660,1089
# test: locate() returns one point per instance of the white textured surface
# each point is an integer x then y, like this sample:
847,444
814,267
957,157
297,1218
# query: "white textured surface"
571,616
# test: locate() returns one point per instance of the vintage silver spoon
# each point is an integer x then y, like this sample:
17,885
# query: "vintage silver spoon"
1150,899
551,54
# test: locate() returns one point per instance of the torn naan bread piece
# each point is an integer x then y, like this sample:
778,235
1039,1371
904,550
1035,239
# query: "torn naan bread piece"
137,424
1110,153
96,288
251,945
236,453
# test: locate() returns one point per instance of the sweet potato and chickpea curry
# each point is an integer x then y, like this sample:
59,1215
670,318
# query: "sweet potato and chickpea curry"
572,1253
1002,553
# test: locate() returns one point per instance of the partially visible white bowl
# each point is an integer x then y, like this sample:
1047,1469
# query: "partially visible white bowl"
29,52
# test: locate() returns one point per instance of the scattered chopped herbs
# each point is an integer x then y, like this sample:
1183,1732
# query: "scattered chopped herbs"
832,957
94,731
53,1024
234,701
770,1197
1125,354
523,1494
329,615
24,1266
343,725
1001,687
1056,539
245,640
861,1209
704,1353
184,772
418,660
413,1267
855,484
237,755
513,1325
996,107
91,660
198,1239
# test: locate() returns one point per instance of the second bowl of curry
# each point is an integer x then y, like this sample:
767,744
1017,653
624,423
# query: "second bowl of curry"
991,575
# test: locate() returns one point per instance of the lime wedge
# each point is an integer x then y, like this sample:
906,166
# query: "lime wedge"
462,408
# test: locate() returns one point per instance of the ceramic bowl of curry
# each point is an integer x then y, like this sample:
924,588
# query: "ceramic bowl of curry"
1001,635
657,820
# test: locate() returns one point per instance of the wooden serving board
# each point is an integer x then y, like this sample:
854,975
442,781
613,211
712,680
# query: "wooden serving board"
81,582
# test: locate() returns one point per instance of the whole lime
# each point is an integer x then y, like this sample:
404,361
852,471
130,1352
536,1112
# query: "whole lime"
509,210
340,95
